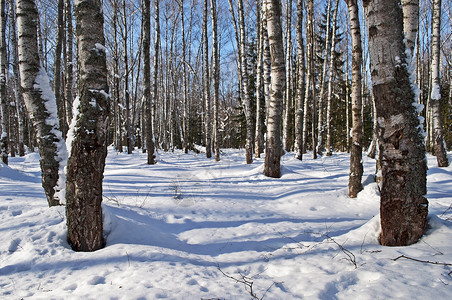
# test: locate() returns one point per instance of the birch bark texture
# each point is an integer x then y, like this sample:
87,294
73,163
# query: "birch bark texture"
356,166
215,77
40,102
439,148
272,166
3,95
403,207
301,69
88,134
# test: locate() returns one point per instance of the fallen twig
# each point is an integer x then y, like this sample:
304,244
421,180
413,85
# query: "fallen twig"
422,261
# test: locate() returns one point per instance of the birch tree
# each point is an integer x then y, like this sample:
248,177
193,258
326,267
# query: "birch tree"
260,97
216,77
299,109
89,132
403,207
273,148
3,96
57,69
69,60
356,167
435,103
40,102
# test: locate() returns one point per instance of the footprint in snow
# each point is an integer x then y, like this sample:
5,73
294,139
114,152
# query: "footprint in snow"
14,245
96,280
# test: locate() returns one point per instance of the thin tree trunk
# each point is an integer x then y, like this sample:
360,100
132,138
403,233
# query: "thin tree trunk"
403,207
310,86
3,95
410,23
207,120
439,148
57,70
260,98
273,151
356,166
40,102
245,87
17,93
287,138
329,135
69,61
151,143
299,113
326,54
313,83
89,144
125,38
184,83
216,77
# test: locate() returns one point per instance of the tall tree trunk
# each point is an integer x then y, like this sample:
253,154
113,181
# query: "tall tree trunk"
287,133
403,207
57,70
356,166
207,119
273,151
116,77
151,143
40,102
326,54
125,39
438,137
260,98
17,92
245,85
299,110
147,81
329,135
312,75
3,96
184,83
89,144
69,61
216,77
310,86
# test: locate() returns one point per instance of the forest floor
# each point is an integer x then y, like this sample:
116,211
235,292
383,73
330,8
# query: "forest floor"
192,228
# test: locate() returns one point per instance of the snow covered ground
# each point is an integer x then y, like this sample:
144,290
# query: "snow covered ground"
193,228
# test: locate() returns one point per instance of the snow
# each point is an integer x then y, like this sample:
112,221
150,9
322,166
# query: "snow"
179,228
42,84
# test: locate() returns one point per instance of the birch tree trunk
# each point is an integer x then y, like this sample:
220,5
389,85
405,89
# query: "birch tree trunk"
439,148
184,83
40,102
410,23
125,39
356,166
150,144
57,70
147,81
69,60
245,87
207,84
403,207
89,132
326,54
299,109
273,151
216,77
260,98
17,92
287,132
3,95
329,135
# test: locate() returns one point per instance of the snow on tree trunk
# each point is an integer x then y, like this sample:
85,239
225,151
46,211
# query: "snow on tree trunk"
278,72
41,104
3,96
299,107
88,135
356,166
403,207
439,148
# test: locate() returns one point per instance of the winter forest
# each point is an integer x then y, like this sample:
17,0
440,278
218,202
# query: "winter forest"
240,149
